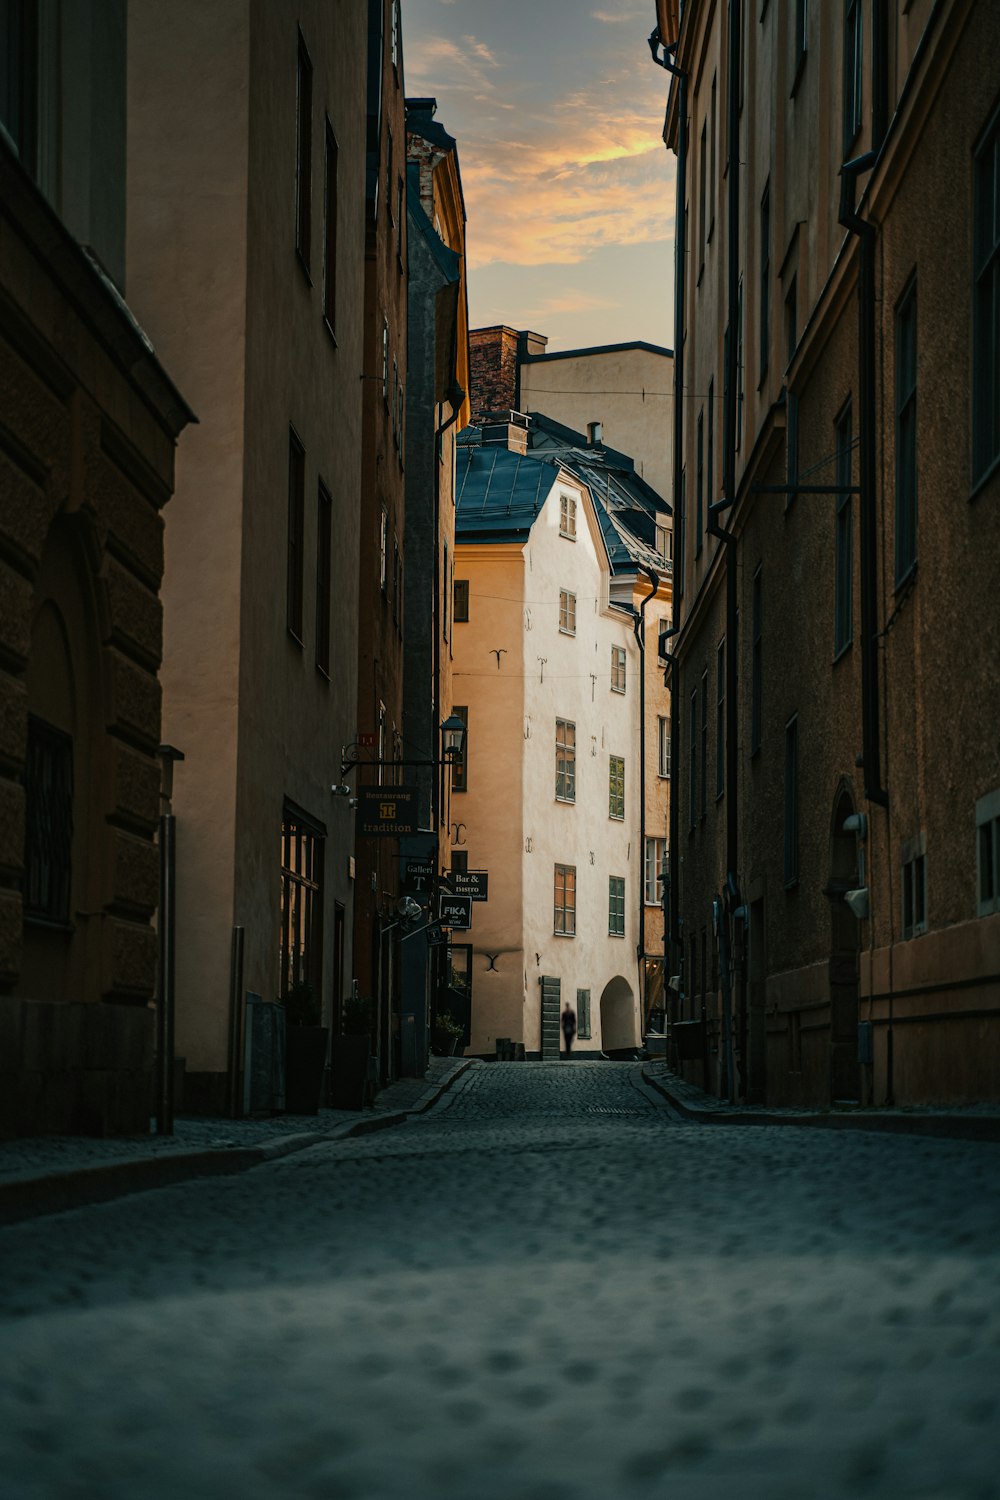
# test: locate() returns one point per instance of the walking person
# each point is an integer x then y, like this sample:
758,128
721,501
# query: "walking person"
568,1020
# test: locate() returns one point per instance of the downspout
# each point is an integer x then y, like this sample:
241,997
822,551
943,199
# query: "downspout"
672,928
727,537
639,625
865,231
455,396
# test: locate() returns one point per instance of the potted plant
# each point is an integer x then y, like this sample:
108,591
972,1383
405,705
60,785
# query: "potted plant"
350,1052
305,1049
448,1035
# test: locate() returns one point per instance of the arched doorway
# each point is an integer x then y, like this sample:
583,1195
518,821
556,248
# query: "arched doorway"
619,1022
844,952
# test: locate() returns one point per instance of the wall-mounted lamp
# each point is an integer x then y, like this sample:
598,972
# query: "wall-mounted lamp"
858,901
452,743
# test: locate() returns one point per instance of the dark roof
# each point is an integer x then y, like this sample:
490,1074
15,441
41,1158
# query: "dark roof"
537,359
499,493
448,261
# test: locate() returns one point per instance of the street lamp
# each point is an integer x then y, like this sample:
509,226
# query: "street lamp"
452,733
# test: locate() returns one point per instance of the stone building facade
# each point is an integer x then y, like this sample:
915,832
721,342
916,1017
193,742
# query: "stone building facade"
838,765
88,424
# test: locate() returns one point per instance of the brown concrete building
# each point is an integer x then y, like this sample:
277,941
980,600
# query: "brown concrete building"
246,228
837,817
88,422
382,586
437,409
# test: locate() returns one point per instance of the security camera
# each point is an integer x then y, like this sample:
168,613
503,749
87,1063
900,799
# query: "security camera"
857,823
343,790
858,902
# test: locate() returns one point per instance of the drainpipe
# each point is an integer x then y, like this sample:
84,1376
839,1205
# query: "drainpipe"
455,396
865,231
672,930
639,625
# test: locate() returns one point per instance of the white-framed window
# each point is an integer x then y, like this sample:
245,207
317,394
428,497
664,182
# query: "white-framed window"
460,609
988,853
616,906
616,787
567,517
653,870
663,745
618,669
914,893
564,919
665,543
567,612
565,760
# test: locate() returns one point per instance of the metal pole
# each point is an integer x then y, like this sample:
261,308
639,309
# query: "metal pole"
165,1008
235,1022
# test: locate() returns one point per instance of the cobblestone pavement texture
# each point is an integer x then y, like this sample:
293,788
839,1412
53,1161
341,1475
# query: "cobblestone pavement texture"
546,1288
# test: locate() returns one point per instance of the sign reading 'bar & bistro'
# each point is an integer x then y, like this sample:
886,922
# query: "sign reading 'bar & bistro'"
387,811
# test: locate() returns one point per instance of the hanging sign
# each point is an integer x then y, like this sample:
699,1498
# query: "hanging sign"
387,811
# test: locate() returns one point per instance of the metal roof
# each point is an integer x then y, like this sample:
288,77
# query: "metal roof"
499,493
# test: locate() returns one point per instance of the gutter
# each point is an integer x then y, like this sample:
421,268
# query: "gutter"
639,625
456,396
671,913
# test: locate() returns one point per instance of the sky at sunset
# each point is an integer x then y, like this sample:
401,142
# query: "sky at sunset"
558,111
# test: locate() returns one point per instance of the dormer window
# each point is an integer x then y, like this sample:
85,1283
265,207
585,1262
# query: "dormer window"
567,517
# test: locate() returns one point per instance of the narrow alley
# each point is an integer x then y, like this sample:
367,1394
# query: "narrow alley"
548,1288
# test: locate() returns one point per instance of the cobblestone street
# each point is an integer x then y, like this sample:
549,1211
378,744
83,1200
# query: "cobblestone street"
547,1288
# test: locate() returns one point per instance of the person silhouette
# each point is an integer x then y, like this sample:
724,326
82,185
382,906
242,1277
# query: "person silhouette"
568,1020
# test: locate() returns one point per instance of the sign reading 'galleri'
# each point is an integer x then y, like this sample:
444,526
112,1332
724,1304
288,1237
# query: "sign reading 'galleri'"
387,811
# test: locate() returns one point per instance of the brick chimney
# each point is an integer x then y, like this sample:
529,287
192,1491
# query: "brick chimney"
494,357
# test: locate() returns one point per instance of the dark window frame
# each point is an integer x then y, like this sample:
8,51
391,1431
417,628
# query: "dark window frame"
791,791
853,89
985,454
756,659
906,509
324,553
295,571
460,601
47,883
331,163
616,906
460,765
765,281
843,541
303,156
720,719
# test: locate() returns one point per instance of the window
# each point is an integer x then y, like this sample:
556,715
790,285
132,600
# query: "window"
801,36
843,546
914,886
765,279
567,612
397,581
654,870
383,548
385,362
791,320
692,757
565,760
853,34
616,906
712,157
381,743
330,230
303,154
446,589
699,482
665,543
702,197
388,175
583,1015
564,923
792,803
986,302
616,786
300,942
460,765
459,861
739,365
988,854
399,221
19,27
618,669
756,648
663,743
394,403
681,524
324,544
906,434
720,719
461,600
296,533
567,516
394,32
48,822
710,465
703,805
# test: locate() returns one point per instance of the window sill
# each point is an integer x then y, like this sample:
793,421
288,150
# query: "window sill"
329,328
616,817
566,801
292,636
564,631
792,885
842,651
618,690
58,925
567,536
324,672
303,266
663,775
906,580
557,933
616,934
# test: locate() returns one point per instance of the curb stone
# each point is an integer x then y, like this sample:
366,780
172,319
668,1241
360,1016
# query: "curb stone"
35,1197
942,1127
